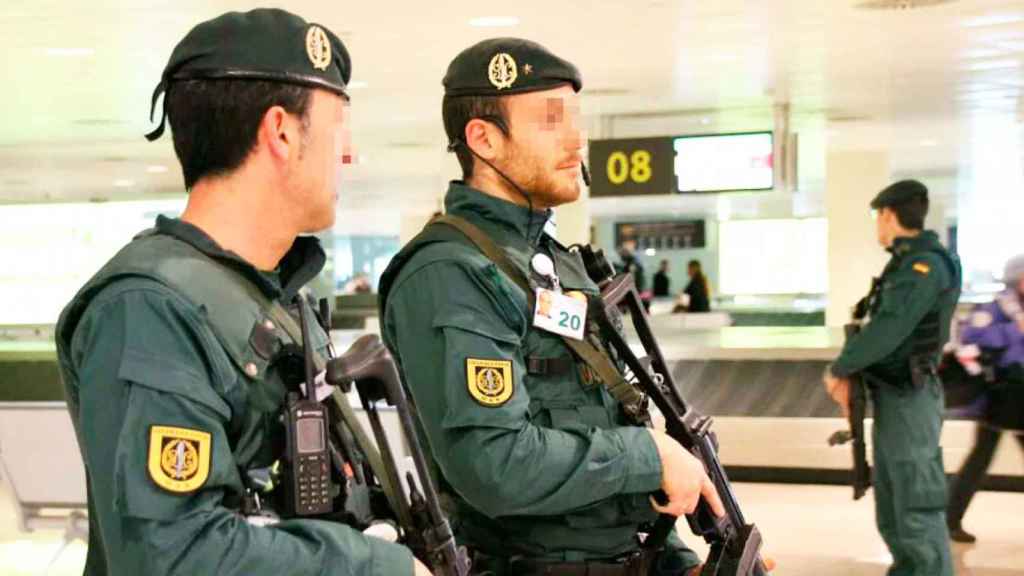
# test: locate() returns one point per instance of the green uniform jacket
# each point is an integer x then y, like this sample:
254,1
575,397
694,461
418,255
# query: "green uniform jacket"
920,278
547,466
137,354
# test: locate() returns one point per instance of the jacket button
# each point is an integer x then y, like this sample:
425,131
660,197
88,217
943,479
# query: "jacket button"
251,370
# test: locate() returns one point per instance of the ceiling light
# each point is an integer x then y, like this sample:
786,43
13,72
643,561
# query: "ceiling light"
357,84
993,20
124,183
981,53
155,169
651,252
494,21
70,52
705,121
993,65
928,143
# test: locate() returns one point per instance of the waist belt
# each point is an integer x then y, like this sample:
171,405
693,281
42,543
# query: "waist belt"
635,564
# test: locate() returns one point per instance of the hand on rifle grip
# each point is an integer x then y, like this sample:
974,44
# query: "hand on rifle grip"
683,480
839,390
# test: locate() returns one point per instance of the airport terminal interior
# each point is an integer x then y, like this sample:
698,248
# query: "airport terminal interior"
747,135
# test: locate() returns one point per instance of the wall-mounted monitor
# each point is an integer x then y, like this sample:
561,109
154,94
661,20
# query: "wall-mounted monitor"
682,164
724,162
662,235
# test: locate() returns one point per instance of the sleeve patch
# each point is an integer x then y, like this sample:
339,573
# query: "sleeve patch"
490,381
179,458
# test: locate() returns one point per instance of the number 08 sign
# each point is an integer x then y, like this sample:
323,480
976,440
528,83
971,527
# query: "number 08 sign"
631,167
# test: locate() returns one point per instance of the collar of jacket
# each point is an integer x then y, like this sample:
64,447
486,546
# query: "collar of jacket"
468,202
300,264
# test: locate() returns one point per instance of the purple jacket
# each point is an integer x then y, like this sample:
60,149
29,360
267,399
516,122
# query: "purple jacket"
998,325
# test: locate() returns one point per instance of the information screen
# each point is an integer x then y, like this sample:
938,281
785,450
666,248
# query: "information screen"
311,435
667,235
724,162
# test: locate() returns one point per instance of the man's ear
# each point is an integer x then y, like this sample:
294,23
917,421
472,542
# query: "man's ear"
484,138
278,133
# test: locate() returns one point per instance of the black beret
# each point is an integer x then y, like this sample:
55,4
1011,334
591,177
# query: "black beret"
898,193
504,66
262,44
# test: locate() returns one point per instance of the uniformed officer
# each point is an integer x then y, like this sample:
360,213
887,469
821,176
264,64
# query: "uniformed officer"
993,333
544,474
166,353
897,353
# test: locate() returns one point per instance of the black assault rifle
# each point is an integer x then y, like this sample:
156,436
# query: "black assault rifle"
860,476
424,526
735,545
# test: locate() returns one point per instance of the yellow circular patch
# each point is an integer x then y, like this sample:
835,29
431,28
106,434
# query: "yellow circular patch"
179,458
489,381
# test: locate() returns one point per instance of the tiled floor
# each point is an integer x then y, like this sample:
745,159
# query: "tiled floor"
810,530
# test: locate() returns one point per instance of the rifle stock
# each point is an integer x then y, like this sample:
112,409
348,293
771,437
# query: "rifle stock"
425,527
735,545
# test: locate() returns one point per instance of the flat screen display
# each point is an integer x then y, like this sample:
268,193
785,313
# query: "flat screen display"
724,162
311,435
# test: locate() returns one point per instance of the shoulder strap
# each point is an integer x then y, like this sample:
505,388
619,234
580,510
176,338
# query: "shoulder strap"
591,355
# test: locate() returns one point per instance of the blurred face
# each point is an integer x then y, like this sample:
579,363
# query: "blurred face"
1020,286
542,154
886,225
545,303
316,170
691,270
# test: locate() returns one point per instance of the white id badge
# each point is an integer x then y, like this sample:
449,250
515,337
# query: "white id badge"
560,314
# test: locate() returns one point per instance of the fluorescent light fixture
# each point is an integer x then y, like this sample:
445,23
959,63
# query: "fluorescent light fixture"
981,53
993,65
929,143
156,169
357,84
651,252
705,121
70,52
124,183
494,21
993,20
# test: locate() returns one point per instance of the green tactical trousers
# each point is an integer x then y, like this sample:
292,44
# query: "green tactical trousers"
910,483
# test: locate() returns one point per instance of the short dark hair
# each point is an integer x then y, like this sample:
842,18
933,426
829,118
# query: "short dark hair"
214,122
457,111
911,213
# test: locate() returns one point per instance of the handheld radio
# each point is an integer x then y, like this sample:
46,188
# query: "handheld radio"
308,490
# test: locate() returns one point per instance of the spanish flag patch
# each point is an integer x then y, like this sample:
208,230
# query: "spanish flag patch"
922,268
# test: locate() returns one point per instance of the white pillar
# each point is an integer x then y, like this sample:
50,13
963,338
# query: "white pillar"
852,179
574,220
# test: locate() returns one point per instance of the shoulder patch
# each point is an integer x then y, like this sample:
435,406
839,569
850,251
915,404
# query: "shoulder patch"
179,458
922,268
490,381
981,319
